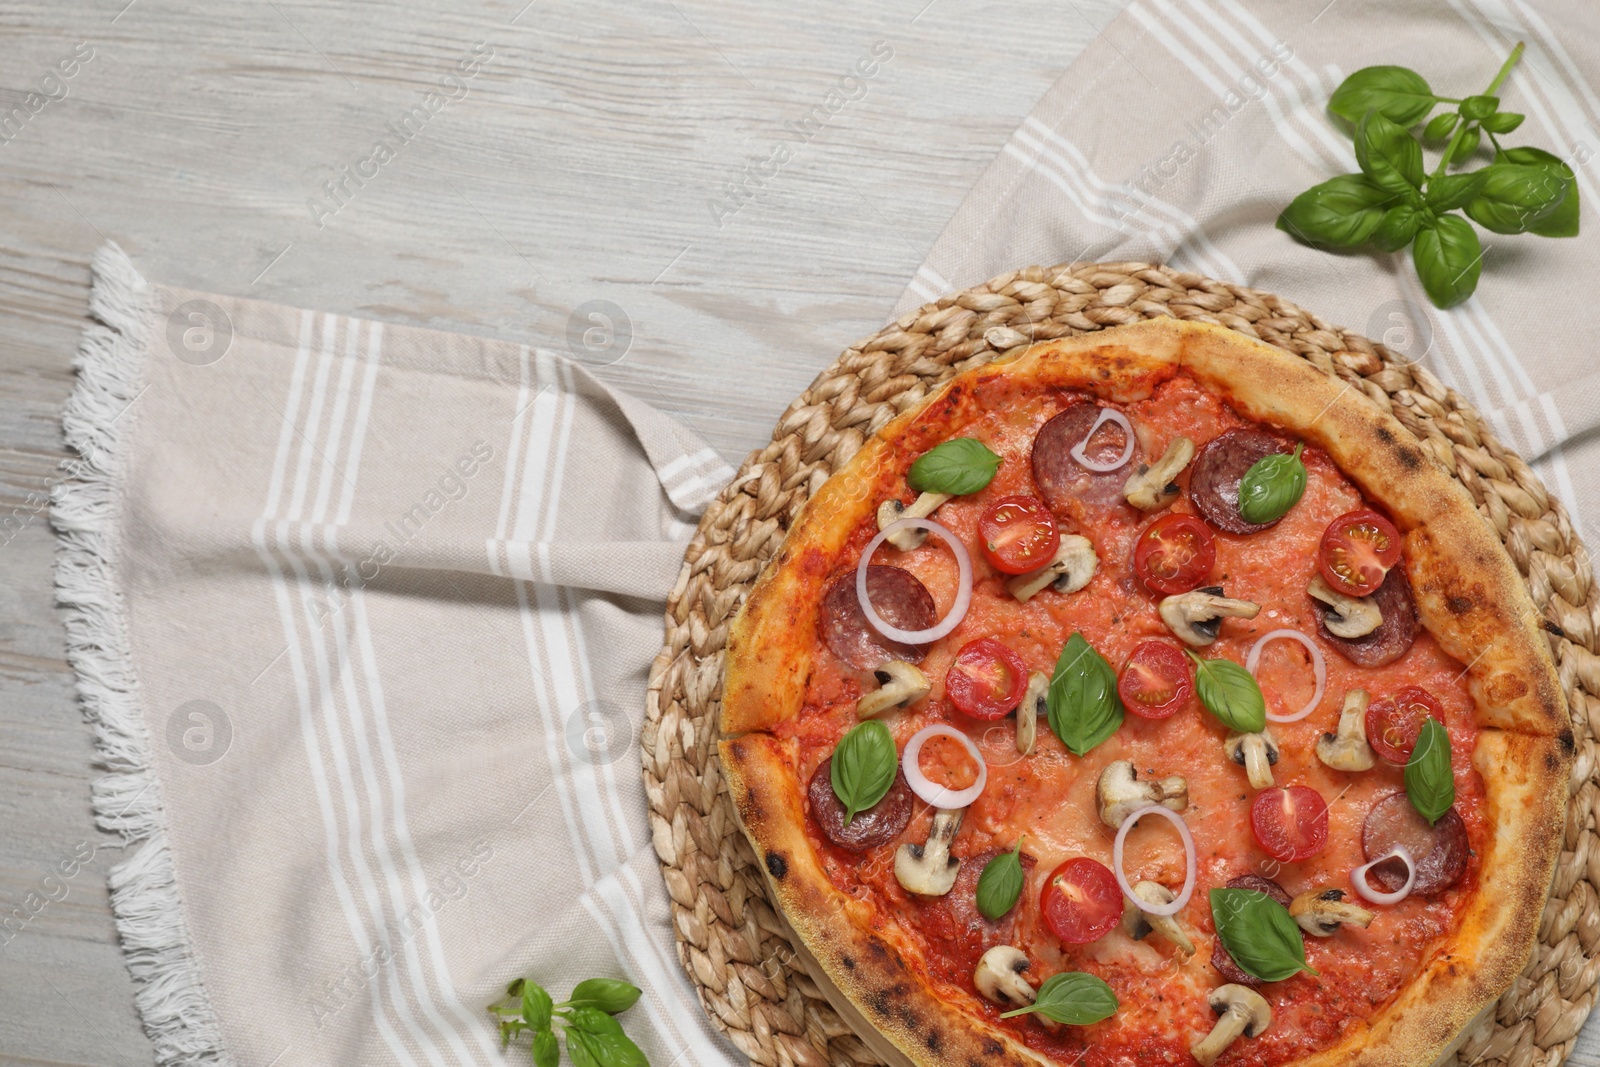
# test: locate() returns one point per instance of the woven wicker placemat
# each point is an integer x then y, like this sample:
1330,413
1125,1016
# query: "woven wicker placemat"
731,942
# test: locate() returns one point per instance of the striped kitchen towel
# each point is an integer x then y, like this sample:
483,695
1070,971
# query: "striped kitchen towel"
362,615
1187,125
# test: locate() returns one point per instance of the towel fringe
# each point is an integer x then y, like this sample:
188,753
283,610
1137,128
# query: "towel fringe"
169,989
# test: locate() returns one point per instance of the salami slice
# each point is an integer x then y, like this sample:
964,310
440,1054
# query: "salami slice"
878,825
1219,955
1067,485
1218,469
897,595
1439,851
1392,637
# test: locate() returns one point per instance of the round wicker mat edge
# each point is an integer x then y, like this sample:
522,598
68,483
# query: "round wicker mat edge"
732,943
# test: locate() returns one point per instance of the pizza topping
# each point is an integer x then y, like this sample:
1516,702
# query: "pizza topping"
1220,959
1240,1011
1439,851
892,511
1098,463
1290,823
1034,704
1357,550
864,767
999,977
1018,534
1196,617
1320,912
900,685
1272,486
1392,637
1081,901
1157,681
904,600
958,610
1393,726
1073,998
1219,467
928,869
986,680
1082,699
1347,616
1068,486
1174,554
958,466
933,793
1140,924
1119,793
1256,752
1319,669
1347,750
1154,486
1399,854
1069,571
1174,903
1430,779
871,827
1000,884
1258,933
1230,694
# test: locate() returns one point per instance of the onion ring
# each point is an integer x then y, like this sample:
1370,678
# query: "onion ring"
958,610
1358,877
1319,668
1080,454
930,792
1188,860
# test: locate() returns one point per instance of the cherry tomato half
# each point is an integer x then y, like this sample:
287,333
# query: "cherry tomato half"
1357,551
1081,901
1157,681
1290,823
1174,554
1018,534
987,679
1393,725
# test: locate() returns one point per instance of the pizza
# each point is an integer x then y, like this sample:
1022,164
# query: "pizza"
1148,697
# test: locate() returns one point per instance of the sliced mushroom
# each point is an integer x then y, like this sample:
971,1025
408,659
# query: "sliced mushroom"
928,869
999,977
1196,616
1323,911
1151,487
1256,753
891,511
1348,616
1348,750
1240,1010
1033,705
1069,572
899,684
1138,924
1119,792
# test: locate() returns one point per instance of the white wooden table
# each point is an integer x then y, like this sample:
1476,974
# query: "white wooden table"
590,158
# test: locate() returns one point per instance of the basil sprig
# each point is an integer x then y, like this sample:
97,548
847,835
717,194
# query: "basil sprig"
1430,781
1230,693
1000,884
960,466
1073,999
863,767
594,1038
1272,486
1083,705
1259,934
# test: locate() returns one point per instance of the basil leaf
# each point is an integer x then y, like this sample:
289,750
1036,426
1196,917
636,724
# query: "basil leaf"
1464,147
1502,122
1230,693
1400,224
582,1049
1397,93
1082,700
1446,192
536,1006
1388,154
1563,221
1440,126
960,466
1340,213
592,1048
1448,259
1259,934
545,1051
1515,196
1478,108
863,767
1072,998
1430,781
610,995
1274,483
1000,884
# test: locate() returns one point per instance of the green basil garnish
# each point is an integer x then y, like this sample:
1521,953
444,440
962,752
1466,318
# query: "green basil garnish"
610,995
595,1039
536,1006
1082,701
1273,485
546,1053
960,466
863,767
1000,884
1230,693
1397,93
1259,934
1072,998
1430,781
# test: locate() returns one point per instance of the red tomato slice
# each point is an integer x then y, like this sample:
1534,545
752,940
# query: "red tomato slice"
987,679
1357,550
1018,534
1393,725
1174,554
1081,901
1290,824
1157,681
